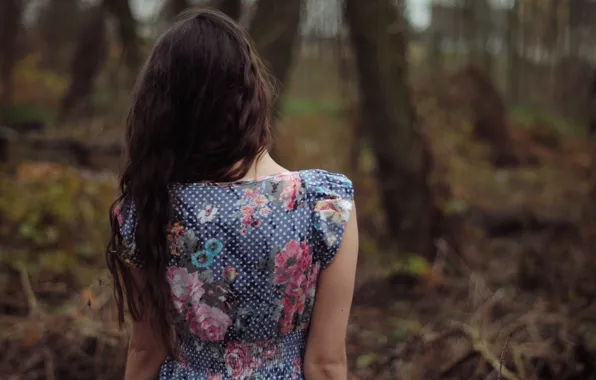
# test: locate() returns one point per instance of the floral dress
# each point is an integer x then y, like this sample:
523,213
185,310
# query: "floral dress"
244,262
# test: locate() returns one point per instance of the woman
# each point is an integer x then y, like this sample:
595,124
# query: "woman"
231,266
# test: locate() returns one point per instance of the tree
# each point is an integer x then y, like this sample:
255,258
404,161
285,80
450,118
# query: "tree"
179,6
514,66
232,8
127,26
57,28
87,61
172,8
274,30
472,89
477,29
10,25
378,37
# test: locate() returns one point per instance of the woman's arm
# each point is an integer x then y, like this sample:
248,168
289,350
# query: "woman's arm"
325,357
145,351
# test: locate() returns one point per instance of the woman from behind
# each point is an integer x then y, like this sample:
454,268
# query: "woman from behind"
230,266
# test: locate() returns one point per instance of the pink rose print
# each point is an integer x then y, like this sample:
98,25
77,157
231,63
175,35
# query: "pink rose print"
269,351
296,285
238,361
183,362
208,323
180,282
305,257
252,208
247,211
284,267
300,302
290,192
297,363
118,214
291,262
251,193
196,289
313,277
247,220
261,201
215,377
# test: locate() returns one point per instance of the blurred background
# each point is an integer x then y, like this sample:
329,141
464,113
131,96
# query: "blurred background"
466,125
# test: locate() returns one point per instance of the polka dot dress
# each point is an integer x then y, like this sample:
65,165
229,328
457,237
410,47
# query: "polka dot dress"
244,261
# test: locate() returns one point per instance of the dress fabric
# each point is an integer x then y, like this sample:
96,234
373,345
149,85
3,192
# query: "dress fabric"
244,262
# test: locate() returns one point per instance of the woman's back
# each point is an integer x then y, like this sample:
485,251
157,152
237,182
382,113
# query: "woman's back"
244,261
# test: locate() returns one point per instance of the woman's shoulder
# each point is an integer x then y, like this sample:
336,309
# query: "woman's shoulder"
322,183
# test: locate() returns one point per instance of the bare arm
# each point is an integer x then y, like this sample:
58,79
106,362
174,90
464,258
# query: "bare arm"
145,351
325,357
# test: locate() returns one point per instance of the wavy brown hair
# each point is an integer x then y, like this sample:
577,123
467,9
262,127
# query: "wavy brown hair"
200,112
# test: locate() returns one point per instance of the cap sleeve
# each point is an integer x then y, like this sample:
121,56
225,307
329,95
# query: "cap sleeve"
332,197
126,215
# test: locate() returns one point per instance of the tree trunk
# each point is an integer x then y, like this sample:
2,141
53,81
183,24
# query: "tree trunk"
232,8
179,6
513,68
10,24
402,157
477,22
87,61
172,8
592,106
274,30
127,26
57,28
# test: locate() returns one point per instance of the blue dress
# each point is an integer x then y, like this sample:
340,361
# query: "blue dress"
244,263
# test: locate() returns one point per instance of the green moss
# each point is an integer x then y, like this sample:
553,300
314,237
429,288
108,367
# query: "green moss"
25,113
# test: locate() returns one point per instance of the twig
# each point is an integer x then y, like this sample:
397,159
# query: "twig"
448,370
503,357
49,364
31,299
481,347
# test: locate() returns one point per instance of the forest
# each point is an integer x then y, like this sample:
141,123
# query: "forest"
469,139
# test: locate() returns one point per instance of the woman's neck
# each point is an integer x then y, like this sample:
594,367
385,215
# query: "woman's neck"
264,165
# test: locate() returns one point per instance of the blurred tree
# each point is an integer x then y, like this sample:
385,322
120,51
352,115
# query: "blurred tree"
57,28
378,35
233,8
477,31
513,57
10,24
274,30
87,61
472,88
127,26
178,6
173,8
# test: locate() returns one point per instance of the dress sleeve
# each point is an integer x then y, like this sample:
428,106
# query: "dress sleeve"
126,216
332,198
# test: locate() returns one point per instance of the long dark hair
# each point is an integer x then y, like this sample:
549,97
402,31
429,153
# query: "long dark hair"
200,112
